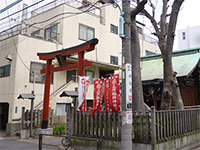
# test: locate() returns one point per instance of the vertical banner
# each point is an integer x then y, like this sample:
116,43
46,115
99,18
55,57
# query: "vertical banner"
82,91
98,91
114,93
98,87
128,87
106,94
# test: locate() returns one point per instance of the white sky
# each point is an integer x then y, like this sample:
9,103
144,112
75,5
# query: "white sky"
188,16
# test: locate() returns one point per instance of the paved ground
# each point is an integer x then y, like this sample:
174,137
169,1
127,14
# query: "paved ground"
49,143
18,144
15,143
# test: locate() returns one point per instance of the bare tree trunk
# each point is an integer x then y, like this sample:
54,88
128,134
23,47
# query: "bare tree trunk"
170,79
138,100
178,102
167,86
165,33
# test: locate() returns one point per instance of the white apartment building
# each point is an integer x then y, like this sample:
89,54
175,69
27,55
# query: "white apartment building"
52,27
188,38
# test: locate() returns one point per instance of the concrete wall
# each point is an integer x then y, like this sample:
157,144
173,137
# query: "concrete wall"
7,84
192,38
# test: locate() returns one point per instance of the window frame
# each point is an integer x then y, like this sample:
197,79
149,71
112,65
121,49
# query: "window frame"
5,73
114,58
91,79
183,35
114,29
75,78
42,81
139,29
50,32
58,110
87,27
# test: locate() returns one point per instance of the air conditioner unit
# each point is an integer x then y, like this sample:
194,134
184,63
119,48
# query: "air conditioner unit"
38,36
52,40
27,34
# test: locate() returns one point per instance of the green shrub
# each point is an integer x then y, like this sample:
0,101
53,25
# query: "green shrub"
59,130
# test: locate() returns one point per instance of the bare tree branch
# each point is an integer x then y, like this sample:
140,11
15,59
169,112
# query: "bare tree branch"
153,8
153,21
172,23
163,19
138,9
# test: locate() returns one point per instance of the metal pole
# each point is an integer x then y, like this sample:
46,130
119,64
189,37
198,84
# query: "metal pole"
126,98
31,128
32,105
40,142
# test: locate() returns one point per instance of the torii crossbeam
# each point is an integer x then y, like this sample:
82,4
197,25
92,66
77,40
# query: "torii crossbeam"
61,56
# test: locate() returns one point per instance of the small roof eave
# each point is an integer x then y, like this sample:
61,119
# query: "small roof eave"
69,94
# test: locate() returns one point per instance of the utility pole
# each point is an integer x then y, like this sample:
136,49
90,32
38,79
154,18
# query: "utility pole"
126,92
126,98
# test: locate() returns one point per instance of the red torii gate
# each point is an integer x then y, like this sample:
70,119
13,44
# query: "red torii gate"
61,56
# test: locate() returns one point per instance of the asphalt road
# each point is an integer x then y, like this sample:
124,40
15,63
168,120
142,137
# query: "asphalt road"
18,144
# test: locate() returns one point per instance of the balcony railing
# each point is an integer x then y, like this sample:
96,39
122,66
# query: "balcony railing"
148,39
79,4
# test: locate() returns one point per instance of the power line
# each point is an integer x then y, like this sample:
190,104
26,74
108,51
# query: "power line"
9,6
15,46
20,10
72,14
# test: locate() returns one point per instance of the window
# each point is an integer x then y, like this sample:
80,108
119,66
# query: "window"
51,32
16,109
60,109
113,29
39,78
147,53
25,11
86,33
114,60
183,36
139,29
71,75
89,103
90,74
5,71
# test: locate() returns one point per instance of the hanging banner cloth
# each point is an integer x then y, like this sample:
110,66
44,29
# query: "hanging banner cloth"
98,93
114,96
106,94
82,91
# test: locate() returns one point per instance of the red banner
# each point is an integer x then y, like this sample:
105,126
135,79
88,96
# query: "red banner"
114,102
98,91
106,94
98,94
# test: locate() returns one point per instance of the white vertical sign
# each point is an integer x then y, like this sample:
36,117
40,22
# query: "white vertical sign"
129,117
82,89
128,87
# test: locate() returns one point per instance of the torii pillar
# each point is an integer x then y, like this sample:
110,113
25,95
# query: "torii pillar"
61,56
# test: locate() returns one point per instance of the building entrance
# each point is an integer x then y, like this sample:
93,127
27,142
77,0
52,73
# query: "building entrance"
4,107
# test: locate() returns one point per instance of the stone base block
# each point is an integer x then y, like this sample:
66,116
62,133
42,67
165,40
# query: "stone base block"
25,133
43,131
